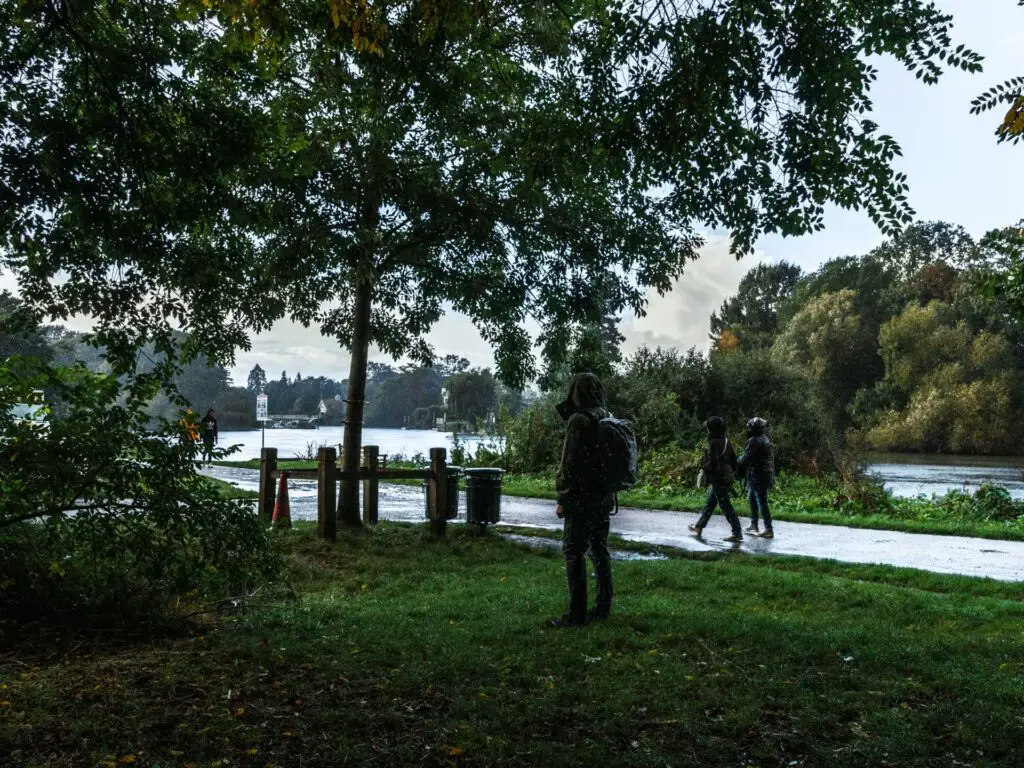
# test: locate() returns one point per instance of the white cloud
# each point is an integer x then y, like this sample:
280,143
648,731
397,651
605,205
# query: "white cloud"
682,317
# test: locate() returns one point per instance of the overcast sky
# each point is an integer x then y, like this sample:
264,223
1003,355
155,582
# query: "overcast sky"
956,172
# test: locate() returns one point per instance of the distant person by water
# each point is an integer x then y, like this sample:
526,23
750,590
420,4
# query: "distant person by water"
209,429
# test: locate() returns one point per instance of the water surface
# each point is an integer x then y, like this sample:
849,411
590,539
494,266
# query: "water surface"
905,475
300,443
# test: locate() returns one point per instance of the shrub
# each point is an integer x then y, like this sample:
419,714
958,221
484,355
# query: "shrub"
103,520
989,503
534,438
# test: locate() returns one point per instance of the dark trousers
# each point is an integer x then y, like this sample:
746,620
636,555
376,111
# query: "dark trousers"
586,532
720,494
208,449
757,495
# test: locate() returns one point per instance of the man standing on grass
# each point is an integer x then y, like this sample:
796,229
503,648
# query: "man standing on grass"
209,425
583,502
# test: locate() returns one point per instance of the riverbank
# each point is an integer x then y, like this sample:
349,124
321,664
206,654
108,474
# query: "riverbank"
986,514
392,649
226,490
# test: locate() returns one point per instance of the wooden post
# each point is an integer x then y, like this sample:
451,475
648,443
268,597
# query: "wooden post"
268,493
438,492
326,494
371,460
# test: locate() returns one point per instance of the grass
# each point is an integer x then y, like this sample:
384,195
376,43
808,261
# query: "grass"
228,491
396,650
796,499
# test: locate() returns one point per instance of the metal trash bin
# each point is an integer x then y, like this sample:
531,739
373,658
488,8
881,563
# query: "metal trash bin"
483,495
454,473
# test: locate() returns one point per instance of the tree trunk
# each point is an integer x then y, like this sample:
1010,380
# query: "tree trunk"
348,498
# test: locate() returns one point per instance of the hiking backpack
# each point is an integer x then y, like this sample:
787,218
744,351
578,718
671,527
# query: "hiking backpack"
618,454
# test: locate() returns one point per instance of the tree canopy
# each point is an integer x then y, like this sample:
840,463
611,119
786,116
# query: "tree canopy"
211,168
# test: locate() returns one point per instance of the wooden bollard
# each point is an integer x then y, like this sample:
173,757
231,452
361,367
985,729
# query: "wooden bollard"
371,461
327,494
438,492
268,494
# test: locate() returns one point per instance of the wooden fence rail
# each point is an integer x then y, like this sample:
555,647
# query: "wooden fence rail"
327,474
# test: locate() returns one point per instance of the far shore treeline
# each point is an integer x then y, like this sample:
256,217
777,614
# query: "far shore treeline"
912,347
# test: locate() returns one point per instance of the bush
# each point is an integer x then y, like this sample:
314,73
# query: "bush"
670,468
102,520
533,439
746,384
988,504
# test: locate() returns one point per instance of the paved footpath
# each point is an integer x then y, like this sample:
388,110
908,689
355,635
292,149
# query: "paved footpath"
1003,560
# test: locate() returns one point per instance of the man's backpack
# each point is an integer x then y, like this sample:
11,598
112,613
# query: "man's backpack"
618,454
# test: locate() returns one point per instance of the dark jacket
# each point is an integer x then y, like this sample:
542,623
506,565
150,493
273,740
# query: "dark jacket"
578,482
719,460
757,460
209,427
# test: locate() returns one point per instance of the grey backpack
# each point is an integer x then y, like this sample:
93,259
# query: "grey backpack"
618,454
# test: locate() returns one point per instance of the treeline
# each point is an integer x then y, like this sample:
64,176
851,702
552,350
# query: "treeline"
201,384
911,347
407,396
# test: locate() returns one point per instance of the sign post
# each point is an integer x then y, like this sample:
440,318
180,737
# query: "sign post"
261,415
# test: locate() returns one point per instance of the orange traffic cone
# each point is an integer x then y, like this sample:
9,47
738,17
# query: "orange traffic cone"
282,510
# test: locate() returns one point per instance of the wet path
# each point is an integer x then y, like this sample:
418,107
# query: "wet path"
1003,560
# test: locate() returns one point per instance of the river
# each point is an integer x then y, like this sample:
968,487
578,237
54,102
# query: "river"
292,443
903,474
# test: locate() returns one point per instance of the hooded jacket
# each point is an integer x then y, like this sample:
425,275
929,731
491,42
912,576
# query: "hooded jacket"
757,459
578,470
719,459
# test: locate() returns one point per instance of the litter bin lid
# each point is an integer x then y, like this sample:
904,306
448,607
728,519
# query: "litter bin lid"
484,471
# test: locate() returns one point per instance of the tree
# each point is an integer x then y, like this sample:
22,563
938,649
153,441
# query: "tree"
450,365
471,395
236,409
397,398
959,388
1010,92
202,383
20,333
257,383
124,145
752,315
390,162
927,243
829,341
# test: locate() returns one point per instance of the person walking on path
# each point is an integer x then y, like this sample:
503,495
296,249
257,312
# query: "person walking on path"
759,466
583,503
719,467
209,427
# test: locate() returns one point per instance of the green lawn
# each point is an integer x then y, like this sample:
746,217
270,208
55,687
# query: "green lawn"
395,650
796,499
228,491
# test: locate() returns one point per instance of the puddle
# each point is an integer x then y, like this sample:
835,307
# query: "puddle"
539,542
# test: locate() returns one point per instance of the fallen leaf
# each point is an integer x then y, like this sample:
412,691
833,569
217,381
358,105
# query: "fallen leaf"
454,751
